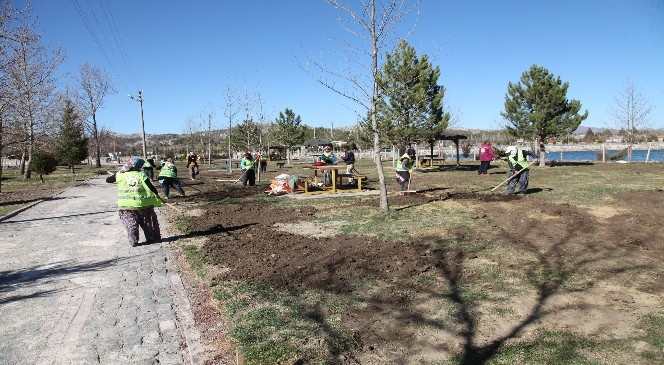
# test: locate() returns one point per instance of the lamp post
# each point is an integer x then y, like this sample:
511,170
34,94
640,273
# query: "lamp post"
139,99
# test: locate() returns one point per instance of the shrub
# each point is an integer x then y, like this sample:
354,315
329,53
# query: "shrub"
43,163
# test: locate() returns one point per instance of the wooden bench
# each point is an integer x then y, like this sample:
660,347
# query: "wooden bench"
280,165
359,179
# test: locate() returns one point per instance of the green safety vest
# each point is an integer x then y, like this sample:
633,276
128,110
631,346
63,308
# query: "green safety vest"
401,166
246,164
133,191
520,159
168,170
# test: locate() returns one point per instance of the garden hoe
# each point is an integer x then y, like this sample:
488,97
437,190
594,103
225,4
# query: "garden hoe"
408,191
512,177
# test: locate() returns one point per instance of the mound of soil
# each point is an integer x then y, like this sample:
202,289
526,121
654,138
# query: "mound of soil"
255,251
331,264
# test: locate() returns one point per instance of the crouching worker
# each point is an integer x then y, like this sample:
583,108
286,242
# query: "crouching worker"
404,166
517,159
137,198
248,168
168,177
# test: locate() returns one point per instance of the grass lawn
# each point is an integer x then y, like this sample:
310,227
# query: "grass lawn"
568,274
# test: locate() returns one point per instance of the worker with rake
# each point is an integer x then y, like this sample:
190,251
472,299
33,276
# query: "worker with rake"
519,172
137,198
248,168
404,167
168,177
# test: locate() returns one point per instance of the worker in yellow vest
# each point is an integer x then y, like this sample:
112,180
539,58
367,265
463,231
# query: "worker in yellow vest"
248,167
517,159
137,198
404,167
168,177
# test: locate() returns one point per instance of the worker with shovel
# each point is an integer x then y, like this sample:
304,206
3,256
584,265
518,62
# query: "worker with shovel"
404,166
517,159
168,177
137,198
248,168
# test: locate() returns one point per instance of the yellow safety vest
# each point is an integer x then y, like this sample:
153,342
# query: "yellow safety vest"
133,192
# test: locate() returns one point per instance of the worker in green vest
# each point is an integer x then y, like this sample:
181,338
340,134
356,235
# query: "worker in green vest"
168,177
517,159
248,168
137,198
404,166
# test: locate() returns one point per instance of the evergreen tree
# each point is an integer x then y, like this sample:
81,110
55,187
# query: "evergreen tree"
537,107
288,130
43,164
246,135
589,137
411,108
71,143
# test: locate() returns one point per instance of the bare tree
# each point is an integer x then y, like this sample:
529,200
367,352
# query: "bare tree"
31,75
631,111
230,111
371,22
95,86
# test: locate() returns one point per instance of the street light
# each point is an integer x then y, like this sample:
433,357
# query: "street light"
139,99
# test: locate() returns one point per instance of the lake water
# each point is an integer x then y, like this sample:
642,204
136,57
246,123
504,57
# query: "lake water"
637,155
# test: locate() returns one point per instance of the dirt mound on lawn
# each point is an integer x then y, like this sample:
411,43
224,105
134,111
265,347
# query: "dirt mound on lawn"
255,250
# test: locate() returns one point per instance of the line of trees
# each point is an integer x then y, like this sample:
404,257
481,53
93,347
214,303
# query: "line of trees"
33,109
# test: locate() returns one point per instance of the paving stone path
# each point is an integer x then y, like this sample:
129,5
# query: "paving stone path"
72,291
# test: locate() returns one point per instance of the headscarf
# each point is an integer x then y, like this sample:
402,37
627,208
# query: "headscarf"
134,163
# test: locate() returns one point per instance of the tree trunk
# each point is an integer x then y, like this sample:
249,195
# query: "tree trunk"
22,164
384,206
31,145
542,154
95,135
431,161
41,177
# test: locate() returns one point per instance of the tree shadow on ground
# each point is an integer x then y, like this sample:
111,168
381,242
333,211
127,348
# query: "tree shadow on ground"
218,229
58,217
12,280
387,317
27,201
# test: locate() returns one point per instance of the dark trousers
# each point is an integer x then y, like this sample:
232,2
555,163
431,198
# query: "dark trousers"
484,167
194,171
145,218
402,178
263,166
168,182
522,180
248,176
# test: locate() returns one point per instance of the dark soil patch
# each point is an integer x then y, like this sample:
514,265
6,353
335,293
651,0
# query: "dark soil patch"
486,197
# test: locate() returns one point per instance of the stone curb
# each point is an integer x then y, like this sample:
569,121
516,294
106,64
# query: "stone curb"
26,207
19,210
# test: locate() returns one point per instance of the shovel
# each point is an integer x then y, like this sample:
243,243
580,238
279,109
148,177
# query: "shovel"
512,177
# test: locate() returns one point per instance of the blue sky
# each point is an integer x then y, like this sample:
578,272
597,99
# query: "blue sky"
184,55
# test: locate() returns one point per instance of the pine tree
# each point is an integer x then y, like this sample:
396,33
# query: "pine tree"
537,107
289,130
71,144
411,108
43,164
246,135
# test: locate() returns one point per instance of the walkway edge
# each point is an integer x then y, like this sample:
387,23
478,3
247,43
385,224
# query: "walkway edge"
26,207
191,334
21,209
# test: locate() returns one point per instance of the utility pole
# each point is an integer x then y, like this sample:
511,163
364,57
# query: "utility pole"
139,99
209,139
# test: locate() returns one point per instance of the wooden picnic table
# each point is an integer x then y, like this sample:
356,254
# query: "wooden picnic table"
333,168
335,173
